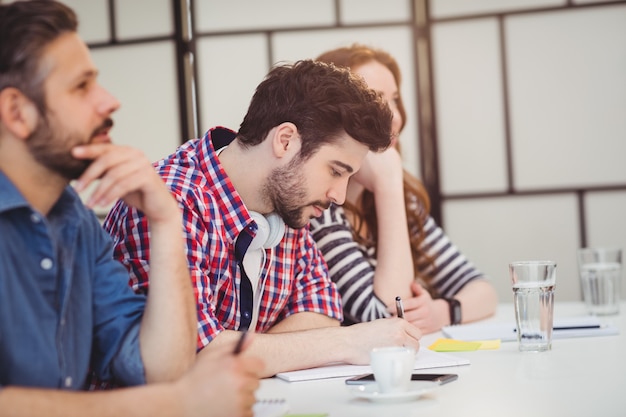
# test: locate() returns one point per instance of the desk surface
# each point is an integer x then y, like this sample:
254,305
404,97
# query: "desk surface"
579,377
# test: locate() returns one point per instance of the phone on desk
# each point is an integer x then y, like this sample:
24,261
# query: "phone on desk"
440,378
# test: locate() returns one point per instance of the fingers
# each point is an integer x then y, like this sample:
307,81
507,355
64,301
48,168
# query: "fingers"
417,288
120,170
407,333
124,173
413,305
413,336
90,152
403,330
254,365
253,368
404,333
249,369
230,378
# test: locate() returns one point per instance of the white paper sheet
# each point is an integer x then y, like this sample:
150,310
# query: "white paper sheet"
584,326
425,359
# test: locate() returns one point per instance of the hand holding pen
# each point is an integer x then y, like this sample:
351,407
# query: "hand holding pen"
223,379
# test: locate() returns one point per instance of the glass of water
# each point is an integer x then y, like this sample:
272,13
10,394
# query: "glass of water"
533,285
600,278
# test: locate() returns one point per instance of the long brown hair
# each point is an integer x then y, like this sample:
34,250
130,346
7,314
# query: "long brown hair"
416,200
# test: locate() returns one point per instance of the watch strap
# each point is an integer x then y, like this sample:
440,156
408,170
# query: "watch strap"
455,310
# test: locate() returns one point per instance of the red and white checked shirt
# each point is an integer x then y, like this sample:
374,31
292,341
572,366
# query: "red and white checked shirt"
297,277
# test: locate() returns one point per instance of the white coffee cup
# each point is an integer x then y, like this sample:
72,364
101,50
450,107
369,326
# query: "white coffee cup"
392,367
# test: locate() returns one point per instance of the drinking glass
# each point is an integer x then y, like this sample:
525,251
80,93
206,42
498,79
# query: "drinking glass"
533,285
600,277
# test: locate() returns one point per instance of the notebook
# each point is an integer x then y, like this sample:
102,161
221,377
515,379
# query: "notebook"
564,328
425,359
270,408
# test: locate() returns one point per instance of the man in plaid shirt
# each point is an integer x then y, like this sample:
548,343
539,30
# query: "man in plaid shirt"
247,198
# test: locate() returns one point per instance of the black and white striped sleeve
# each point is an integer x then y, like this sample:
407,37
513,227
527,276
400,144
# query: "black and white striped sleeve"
351,266
452,270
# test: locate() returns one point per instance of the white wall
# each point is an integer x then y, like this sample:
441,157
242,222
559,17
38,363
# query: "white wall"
565,91
530,103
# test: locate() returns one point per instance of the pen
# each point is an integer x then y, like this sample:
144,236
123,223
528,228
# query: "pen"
399,307
591,326
240,342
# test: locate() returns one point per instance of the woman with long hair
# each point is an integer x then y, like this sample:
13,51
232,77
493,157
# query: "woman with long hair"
383,243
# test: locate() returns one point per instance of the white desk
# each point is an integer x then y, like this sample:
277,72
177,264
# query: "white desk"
578,377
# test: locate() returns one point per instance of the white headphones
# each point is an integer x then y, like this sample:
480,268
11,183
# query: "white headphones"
270,233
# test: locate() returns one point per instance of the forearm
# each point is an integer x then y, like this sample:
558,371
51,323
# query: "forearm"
478,300
153,401
168,331
394,271
441,315
287,349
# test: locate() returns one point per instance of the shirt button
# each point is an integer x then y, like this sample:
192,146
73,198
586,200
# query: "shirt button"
46,263
34,218
68,381
246,314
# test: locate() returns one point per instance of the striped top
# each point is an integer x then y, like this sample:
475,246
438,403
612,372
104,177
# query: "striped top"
352,265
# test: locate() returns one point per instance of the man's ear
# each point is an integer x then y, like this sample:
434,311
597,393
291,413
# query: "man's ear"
18,113
286,140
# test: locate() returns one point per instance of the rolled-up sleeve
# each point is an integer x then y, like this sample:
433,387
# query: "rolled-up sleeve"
127,365
117,315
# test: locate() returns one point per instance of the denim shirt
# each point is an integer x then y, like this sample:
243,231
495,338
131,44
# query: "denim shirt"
65,303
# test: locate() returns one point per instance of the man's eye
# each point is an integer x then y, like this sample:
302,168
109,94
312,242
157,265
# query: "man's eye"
335,173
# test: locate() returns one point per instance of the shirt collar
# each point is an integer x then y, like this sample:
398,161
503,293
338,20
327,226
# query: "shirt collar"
12,198
234,213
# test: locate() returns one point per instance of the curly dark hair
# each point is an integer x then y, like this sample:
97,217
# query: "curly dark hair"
323,101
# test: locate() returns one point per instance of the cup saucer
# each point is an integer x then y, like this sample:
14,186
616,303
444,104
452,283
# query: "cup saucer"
370,392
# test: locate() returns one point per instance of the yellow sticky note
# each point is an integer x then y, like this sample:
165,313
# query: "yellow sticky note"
490,344
452,345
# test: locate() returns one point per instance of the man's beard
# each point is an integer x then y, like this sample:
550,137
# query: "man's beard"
54,149
286,190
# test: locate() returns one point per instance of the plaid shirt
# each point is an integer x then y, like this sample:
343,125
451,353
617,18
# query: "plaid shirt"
294,277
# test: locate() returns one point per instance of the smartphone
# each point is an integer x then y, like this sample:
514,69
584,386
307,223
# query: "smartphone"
441,378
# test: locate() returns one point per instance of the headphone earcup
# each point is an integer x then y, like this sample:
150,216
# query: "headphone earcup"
270,231
277,230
